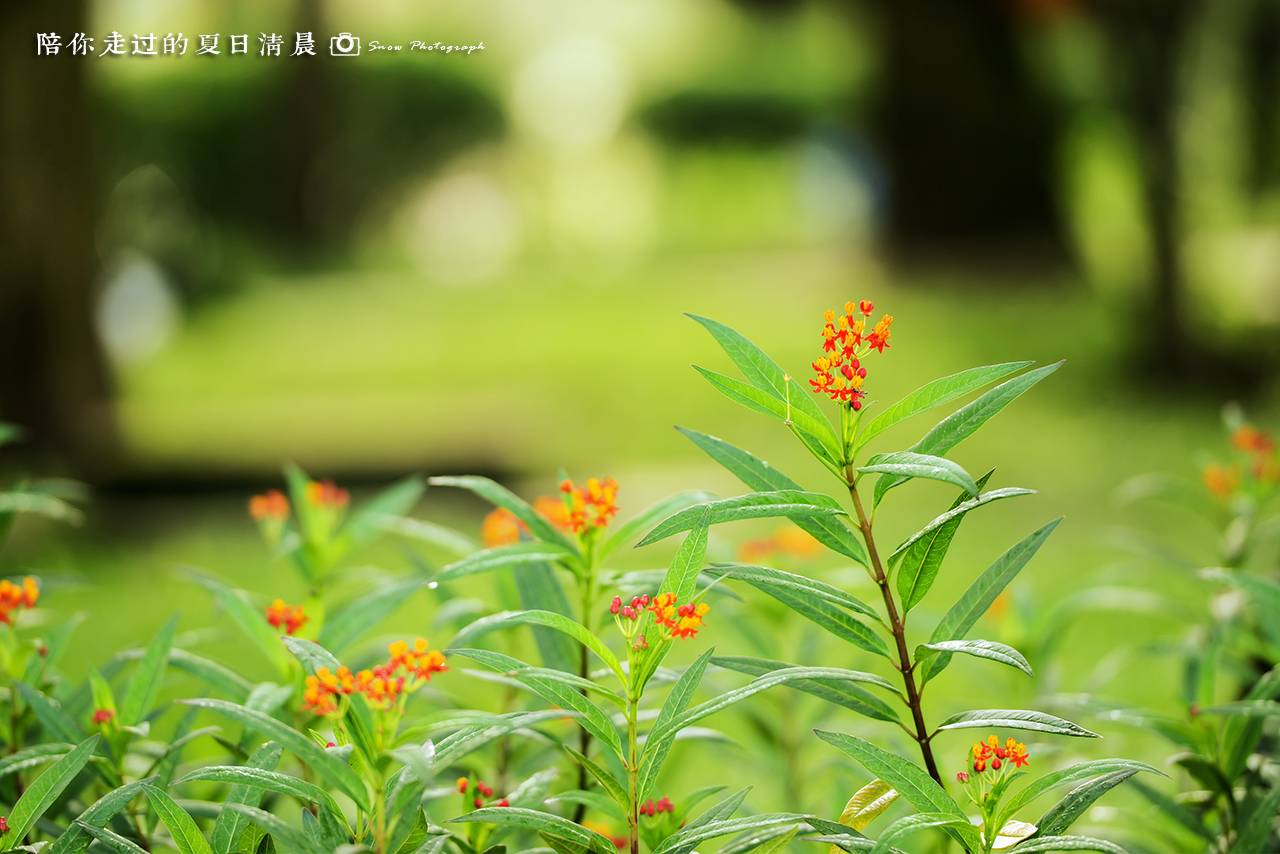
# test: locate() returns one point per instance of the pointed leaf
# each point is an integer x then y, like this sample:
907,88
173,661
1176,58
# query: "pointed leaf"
540,821
677,702
1015,719
41,794
502,497
757,474
763,577
649,517
50,715
30,757
1068,843
230,824
1253,836
148,678
840,623
186,835
981,649
1072,774
349,623
956,623
502,557
611,784
262,778
286,836
688,837
908,464
934,394
953,515
551,620
964,422
789,503
113,841
541,590
867,804
213,674
849,695
1059,817
392,502
311,655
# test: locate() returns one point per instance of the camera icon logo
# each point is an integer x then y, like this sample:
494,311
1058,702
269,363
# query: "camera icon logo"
344,44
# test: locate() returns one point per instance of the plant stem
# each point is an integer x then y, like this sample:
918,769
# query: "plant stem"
898,626
633,775
584,670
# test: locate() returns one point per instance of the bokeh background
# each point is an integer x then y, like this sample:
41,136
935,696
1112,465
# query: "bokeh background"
419,261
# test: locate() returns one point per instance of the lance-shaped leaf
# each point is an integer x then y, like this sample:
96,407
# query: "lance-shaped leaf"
182,827
50,715
516,669
551,620
1015,719
349,623
76,839
849,695
552,825
113,841
261,778
867,804
611,784
772,841
908,825
30,757
980,649
918,788
754,505
1253,836
148,678
765,578
438,536
456,745
554,687
688,837
1068,843
1059,817
805,426
311,655
250,618
765,375
502,557
934,394
503,497
962,506
1072,774
230,824
908,464
678,699
213,674
649,517
757,474
41,794
327,765
965,421
835,620
393,502
955,624
285,835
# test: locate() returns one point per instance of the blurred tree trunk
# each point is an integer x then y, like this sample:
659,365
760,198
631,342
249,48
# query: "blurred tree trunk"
1148,38
53,376
968,139
1262,91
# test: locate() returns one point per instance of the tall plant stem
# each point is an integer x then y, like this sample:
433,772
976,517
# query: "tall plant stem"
584,671
898,626
633,778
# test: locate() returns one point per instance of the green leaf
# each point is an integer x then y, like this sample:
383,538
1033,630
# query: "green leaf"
392,502
555,687
648,517
516,669
757,474
1015,719
251,619
311,655
594,800
980,649
918,788
1072,774
230,824
868,803
934,394
458,744
114,841
286,836
1245,708
337,772
541,590
502,497
681,577
762,578
1067,843
262,778
76,840
215,675
956,623
186,835
611,784
688,837
764,374
965,421
547,823
359,721
50,715
1059,817
907,464
762,683
678,699
348,624
32,756
754,505
437,536
39,504
846,694
840,623
807,428
148,678
1253,836
952,517
41,794
912,824
503,557
551,620
769,842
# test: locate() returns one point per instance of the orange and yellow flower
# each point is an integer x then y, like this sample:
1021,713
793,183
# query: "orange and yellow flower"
678,621
270,506
501,528
327,495
15,596
991,754
289,617
840,373
590,507
408,669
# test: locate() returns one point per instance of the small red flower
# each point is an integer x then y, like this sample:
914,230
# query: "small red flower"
503,803
101,716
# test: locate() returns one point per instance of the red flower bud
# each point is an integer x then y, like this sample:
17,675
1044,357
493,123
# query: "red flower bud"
962,777
995,764
503,803
479,803
616,606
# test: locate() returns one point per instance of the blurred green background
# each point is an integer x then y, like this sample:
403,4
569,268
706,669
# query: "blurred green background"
451,262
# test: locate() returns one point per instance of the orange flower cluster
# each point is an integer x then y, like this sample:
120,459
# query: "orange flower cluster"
679,621
840,374
382,686
15,596
787,540
990,753
1257,450
289,617
270,506
502,527
1222,481
325,494
590,507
